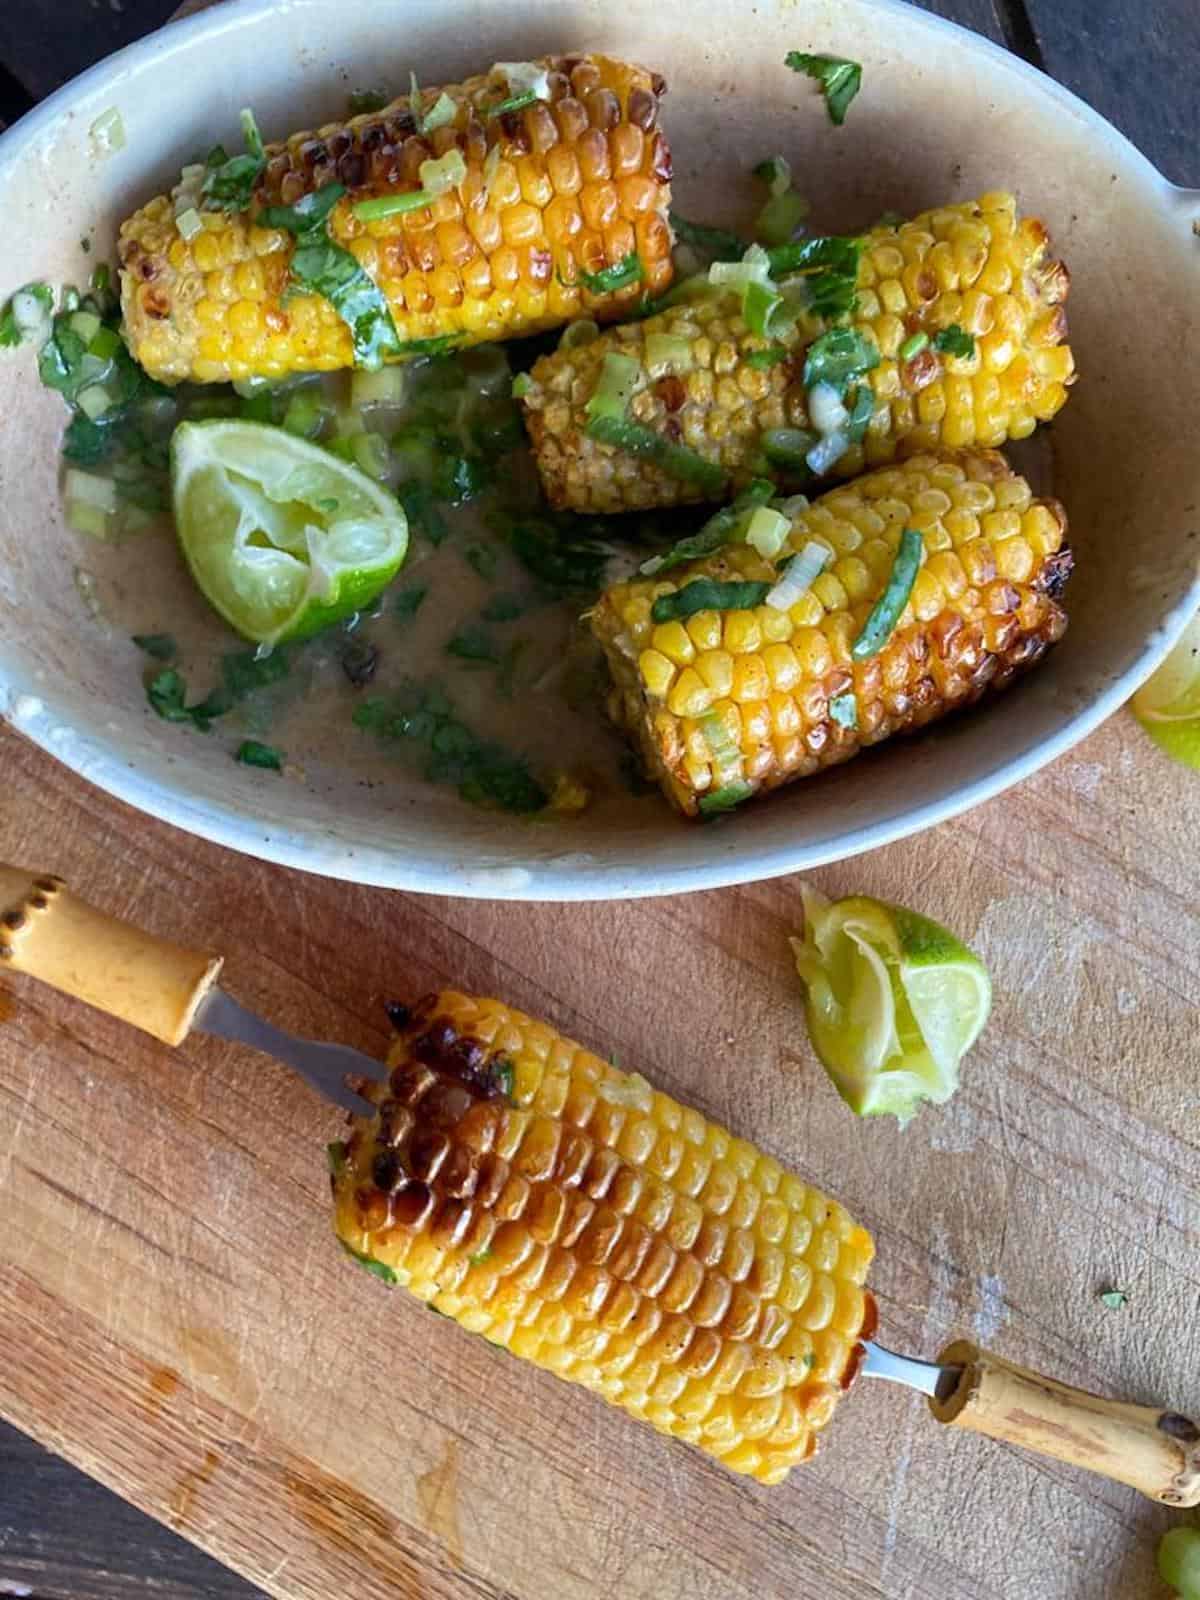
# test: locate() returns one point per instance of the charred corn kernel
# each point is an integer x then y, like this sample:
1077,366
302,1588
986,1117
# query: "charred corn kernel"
963,264
983,606
568,1239
483,261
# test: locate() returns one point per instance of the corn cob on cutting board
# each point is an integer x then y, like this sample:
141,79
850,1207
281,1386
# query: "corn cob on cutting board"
178,1318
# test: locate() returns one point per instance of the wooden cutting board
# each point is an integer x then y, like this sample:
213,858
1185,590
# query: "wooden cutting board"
177,1320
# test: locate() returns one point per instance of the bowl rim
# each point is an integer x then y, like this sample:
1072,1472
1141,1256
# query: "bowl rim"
306,847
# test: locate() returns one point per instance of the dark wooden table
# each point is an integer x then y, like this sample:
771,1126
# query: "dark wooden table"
61,1535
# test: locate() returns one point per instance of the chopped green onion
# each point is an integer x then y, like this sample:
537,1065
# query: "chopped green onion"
88,488
610,279
753,267
229,180
189,223
839,79
101,279
670,351
27,317
829,265
767,314
780,217
775,173
89,519
708,594
371,455
886,613
440,114
521,385
614,390
827,452
383,387
391,205
767,531
720,529
446,173
843,708
676,460
771,357
94,401
525,77
107,133
491,166
726,798
515,102
252,754
578,333
85,323
913,345
954,341
797,576
105,344
788,447
306,413
862,409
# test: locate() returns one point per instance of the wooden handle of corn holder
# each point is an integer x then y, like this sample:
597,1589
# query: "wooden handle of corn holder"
49,934
1150,1449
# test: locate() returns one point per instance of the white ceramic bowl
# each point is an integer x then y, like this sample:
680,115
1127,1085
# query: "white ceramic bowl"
943,114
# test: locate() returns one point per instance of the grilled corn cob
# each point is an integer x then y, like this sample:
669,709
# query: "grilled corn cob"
974,265
730,702
575,1217
561,187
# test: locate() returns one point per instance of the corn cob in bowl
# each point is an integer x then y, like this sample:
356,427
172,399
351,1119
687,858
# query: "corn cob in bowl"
726,702
975,268
577,1218
559,210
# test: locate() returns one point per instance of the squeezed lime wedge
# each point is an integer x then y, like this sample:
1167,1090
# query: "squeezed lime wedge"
1168,703
282,538
893,1002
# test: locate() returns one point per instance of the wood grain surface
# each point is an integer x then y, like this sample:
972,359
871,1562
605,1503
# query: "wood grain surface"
177,1321
180,1324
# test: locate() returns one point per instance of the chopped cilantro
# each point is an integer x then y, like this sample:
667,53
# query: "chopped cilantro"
839,79
954,341
421,510
321,266
473,643
719,530
515,102
408,602
708,594
229,181
838,357
160,646
458,478
485,773
362,100
241,674
377,1269
483,558
829,266
252,754
503,608
716,242
562,559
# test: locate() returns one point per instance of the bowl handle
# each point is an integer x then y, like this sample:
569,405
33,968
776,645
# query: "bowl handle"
147,981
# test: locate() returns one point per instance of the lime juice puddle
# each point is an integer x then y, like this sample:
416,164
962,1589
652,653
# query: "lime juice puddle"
464,617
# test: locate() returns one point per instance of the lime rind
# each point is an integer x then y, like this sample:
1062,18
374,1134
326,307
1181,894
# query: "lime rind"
893,1002
1172,693
282,538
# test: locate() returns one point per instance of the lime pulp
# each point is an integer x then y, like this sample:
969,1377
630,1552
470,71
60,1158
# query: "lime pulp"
282,538
893,1002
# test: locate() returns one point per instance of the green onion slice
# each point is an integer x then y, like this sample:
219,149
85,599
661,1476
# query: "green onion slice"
721,529
708,594
618,276
726,798
391,205
676,460
614,391
913,345
886,613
